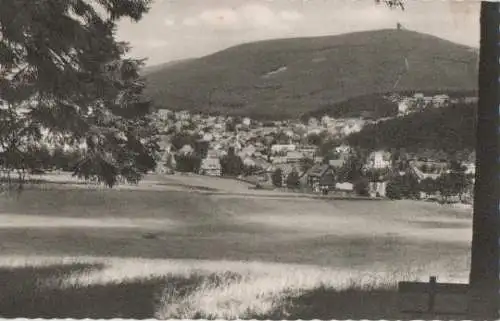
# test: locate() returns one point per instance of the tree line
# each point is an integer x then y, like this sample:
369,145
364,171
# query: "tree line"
455,182
448,129
40,159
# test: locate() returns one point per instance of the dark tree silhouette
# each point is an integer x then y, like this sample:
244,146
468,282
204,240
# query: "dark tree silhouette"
293,180
485,230
429,186
394,190
231,164
306,164
188,163
485,265
361,187
60,61
183,138
277,177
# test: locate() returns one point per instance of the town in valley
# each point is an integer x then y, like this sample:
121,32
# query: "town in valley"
313,155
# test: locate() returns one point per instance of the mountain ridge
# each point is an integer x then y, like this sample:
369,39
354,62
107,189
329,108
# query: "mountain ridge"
284,78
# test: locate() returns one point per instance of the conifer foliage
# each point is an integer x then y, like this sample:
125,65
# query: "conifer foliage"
61,64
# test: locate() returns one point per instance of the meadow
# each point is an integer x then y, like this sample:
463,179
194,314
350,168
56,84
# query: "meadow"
191,247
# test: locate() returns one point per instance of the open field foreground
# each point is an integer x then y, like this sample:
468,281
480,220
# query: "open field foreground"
187,248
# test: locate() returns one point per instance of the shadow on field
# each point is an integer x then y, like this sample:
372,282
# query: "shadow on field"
354,303
24,296
36,292
326,303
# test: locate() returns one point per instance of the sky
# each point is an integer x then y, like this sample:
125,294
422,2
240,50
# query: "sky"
179,29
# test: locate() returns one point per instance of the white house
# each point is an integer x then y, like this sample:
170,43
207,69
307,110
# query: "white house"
168,164
211,167
294,156
404,106
314,130
246,121
313,122
177,126
345,187
248,161
428,169
377,189
248,150
279,160
332,130
325,120
307,150
379,160
428,100
470,100
186,149
163,114
182,115
352,127
470,168
440,100
213,153
277,148
208,137
343,149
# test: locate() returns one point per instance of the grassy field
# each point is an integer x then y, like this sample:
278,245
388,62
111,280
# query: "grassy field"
187,247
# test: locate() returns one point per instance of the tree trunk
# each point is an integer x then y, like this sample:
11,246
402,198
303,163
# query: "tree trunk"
484,271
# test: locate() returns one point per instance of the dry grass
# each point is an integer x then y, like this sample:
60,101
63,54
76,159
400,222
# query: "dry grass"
87,253
139,288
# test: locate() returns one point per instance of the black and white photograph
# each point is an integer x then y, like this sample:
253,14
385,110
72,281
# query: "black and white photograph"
249,159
